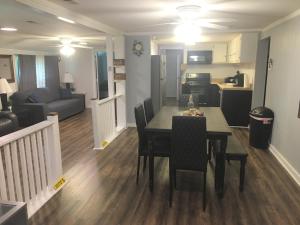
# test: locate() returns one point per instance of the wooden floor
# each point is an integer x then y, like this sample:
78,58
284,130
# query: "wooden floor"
101,188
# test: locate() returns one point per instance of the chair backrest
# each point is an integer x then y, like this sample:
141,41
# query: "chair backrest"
149,112
140,125
189,145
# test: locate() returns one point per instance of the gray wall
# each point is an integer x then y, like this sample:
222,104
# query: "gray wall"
138,74
172,72
283,89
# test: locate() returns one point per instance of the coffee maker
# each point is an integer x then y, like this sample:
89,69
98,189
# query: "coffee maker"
237,79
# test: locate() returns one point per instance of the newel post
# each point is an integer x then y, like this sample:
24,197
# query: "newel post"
54,148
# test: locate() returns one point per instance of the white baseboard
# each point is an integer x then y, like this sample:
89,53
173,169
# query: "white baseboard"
286,165
131,125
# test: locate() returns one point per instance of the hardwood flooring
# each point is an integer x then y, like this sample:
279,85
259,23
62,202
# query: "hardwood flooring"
101,188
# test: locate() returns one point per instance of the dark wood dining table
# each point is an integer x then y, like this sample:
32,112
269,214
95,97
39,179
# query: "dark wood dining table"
217,129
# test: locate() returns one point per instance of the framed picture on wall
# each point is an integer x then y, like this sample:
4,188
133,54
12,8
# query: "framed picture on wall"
6,68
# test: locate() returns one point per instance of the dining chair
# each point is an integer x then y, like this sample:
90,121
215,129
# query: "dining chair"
188,149
149,112
160,146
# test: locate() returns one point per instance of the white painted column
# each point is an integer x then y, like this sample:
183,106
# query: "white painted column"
110,71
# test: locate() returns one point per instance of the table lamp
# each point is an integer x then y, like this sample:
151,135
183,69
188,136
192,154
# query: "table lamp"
4,89
68,80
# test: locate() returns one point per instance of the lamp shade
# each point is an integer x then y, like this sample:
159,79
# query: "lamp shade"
4,86
68,78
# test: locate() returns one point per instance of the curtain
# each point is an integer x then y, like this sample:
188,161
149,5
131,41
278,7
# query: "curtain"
27,72
52,73
40,71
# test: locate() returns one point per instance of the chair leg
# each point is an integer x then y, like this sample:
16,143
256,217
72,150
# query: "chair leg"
242,173
145,163
138,170
209,150
170,184
174,178
204,191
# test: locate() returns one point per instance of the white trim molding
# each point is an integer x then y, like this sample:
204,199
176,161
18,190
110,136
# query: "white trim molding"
286,165
282,20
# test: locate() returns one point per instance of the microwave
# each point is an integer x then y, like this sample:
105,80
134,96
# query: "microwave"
199,57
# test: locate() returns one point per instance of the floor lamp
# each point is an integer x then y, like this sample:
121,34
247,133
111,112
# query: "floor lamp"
4,89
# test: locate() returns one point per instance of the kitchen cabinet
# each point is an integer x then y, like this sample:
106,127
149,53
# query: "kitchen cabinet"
236,105
243,48
220,53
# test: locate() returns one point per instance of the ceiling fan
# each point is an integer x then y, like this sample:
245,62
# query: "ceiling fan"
193,14
190,23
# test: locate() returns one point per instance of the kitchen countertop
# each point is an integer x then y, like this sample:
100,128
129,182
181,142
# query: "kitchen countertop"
223,86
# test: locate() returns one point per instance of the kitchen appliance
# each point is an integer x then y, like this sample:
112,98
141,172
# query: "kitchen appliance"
199,57
238,79
158,81
198,84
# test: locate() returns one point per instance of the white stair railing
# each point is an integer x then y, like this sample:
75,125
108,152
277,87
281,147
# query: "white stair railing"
30,164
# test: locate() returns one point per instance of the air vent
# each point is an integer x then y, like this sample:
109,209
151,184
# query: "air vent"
72,1
31,21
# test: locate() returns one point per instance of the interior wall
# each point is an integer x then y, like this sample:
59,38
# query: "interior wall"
82,66
283,92
138,74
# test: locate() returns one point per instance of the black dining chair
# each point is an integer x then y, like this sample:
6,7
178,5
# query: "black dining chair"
149,112
160,147
188,148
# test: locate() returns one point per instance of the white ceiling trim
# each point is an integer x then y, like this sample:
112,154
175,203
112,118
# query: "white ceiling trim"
4,51
57,10
282,20
256,30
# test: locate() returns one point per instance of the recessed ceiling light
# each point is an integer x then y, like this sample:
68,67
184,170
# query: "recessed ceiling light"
65,19
8,29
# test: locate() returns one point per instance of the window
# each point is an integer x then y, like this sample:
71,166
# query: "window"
40,71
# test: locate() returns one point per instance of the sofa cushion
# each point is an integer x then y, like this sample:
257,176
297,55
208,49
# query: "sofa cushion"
66,106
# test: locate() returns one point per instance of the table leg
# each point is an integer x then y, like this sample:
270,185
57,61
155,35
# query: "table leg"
220,167
151,164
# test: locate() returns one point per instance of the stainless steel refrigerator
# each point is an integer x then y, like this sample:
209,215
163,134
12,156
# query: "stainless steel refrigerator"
158,81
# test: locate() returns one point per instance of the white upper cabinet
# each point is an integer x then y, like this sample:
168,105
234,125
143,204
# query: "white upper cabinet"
243,48
220,53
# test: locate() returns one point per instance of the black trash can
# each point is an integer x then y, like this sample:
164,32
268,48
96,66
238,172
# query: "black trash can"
261,124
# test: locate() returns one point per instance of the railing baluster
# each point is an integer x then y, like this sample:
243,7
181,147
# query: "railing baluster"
36,163
3,190
30,166
42,159
47,156
15,161
24,170
9,173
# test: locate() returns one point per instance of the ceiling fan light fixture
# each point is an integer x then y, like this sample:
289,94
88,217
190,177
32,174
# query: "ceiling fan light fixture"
67,50
188,33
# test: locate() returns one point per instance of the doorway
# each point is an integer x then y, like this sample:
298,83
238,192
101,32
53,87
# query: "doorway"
174,59
261,73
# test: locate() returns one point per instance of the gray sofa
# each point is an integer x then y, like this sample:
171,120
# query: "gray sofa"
33,106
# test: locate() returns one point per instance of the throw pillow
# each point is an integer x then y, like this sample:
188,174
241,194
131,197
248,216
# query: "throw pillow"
65,93
33,99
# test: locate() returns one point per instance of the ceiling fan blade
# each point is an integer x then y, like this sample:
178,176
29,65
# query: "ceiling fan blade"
80,46
162,24
212,25
217,20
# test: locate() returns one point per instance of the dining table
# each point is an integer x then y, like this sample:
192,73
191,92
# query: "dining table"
217,129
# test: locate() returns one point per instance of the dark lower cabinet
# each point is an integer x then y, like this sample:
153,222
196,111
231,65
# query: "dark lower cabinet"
13,213
236,105
214,95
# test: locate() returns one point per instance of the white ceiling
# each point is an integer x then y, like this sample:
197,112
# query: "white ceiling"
131,16
43,31
140,15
